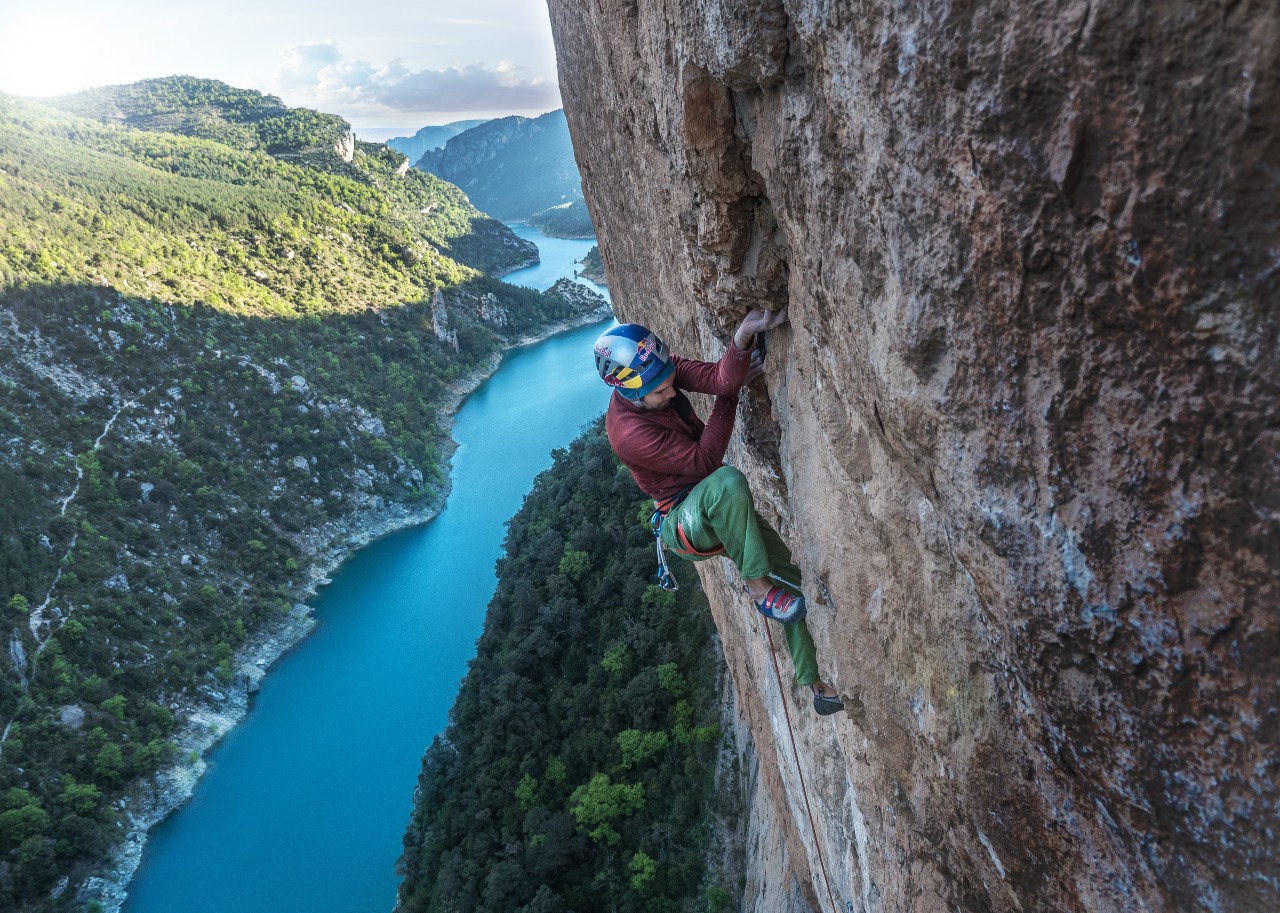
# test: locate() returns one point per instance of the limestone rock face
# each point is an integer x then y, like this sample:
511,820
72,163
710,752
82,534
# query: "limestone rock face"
345,147
1021,432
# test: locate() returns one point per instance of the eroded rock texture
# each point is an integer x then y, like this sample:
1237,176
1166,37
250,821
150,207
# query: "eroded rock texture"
1021,432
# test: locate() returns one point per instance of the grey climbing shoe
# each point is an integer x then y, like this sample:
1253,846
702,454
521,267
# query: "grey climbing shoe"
823,705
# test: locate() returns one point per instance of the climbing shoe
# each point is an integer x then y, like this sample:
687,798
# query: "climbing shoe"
782,605
823,705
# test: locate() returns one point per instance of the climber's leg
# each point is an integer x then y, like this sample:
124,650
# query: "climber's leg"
781,567
804,656
719,512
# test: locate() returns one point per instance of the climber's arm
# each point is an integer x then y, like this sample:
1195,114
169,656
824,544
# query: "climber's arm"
739,364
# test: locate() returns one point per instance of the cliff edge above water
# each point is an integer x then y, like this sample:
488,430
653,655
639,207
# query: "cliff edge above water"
1021,432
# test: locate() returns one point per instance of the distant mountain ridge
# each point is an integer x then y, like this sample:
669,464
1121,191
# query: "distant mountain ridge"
513,167
248,121
209,109
431,137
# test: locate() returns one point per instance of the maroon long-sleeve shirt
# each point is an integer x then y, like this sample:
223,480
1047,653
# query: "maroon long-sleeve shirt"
670,449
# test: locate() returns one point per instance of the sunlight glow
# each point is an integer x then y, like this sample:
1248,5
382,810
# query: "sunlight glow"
435,66
42,53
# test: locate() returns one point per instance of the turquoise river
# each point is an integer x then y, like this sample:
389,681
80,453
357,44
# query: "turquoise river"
305,803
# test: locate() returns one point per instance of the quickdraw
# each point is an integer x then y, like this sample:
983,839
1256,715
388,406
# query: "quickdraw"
666,579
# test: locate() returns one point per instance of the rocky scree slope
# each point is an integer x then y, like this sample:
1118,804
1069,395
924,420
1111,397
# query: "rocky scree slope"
1021,432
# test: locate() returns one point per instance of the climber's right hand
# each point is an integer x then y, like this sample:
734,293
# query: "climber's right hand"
758,320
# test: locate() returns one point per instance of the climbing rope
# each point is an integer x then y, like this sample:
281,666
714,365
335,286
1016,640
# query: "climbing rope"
804,790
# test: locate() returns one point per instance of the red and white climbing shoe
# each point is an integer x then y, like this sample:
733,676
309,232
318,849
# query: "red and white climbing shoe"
782,605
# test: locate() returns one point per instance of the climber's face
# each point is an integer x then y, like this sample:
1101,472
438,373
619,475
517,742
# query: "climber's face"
661,397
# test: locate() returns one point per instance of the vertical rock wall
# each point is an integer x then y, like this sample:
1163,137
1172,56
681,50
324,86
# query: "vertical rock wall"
1021,432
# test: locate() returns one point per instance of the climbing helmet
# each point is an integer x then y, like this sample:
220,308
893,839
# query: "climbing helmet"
632,360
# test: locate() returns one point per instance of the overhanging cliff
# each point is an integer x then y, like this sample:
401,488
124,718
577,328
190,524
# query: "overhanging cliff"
1021,432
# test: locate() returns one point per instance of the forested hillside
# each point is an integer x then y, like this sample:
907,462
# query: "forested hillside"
578,771
224,351
567,220
401,214
593,266
517,168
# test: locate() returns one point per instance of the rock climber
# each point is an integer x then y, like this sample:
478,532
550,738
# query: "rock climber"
677,460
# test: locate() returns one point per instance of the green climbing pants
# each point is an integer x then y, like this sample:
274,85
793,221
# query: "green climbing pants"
719,511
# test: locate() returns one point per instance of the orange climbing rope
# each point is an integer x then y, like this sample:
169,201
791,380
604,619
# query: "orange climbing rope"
826,877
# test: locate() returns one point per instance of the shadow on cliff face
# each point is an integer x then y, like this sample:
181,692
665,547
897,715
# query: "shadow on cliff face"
741,250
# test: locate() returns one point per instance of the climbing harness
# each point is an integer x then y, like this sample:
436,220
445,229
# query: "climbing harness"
666,579
687,547
804,790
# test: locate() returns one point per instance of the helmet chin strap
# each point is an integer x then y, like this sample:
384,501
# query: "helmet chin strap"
666,404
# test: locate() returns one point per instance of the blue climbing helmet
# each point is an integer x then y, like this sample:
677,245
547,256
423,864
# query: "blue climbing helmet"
632,360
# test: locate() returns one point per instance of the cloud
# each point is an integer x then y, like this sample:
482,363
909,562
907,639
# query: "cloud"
318,75
303,63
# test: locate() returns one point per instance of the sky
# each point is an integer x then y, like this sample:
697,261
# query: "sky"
388,68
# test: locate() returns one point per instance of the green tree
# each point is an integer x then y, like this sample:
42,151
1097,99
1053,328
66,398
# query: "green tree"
658,598
527,792
22,819
555,770
108,764
638,746
575,563
615,659
80,797
671,680
643,870
115,706
601,802
718,899
222,657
